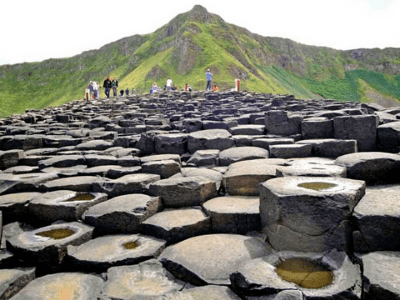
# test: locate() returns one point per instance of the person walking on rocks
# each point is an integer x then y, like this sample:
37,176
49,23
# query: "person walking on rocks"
114,84
107,87
95,90
209,76
168,85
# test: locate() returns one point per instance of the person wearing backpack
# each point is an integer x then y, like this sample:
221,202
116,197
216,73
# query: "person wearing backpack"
114,84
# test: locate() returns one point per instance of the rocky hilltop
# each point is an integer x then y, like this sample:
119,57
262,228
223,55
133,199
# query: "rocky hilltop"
230,195
194,41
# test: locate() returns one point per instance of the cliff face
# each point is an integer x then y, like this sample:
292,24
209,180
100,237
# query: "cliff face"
193,42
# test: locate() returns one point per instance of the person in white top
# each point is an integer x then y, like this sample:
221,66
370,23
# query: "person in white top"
169,84
95,90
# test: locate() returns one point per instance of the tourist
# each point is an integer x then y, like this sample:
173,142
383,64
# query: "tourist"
209,76
107,87
154,88
189,88
127,92
168,84
133,91
95,90
114,85
215,88
174,88
121,93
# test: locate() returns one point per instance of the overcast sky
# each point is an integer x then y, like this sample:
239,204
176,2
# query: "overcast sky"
35,30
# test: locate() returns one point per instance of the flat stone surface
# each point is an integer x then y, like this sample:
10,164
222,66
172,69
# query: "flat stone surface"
207,173
381,270
30,246
317,170
232,155
147,280
184,191
62,286
76,183
13,280
222,252
128,184
248,129
234,214
372,167
10,183
59,205
122,214
205,292
292,220
175,225
109,251
377,220
242,178
62,161
159,157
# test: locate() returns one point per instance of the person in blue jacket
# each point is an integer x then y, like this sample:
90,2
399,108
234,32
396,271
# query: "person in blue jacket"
209,76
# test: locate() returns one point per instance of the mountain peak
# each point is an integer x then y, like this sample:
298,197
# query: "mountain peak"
200,14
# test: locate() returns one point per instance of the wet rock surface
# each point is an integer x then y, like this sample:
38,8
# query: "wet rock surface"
212,171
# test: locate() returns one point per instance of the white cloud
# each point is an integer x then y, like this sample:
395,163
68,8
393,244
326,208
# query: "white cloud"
42,29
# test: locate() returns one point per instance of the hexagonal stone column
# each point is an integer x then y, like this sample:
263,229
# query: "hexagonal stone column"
222,252
388,136
48,244
234,214
242,178
164,168
377,219
146,280
360,128
62,285
122,214
183,191
317,276
14,206
175,225
372,167
63,205
290,151
330,147
99,254
309,213
210,139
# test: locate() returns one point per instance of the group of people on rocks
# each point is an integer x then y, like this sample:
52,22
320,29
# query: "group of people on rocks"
92,91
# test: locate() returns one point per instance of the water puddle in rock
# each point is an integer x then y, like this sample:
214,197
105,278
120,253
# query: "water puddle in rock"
81,197
131,245
317,186
305,273
57,234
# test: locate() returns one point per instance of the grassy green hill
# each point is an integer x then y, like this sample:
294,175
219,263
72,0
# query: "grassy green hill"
194,41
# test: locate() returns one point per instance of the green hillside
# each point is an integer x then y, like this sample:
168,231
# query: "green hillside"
194,41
